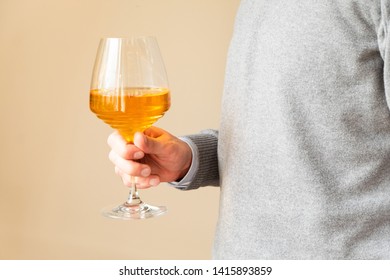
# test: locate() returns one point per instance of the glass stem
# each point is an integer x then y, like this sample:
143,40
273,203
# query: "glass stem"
133,198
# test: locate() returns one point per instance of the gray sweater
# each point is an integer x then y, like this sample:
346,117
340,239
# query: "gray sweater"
302,155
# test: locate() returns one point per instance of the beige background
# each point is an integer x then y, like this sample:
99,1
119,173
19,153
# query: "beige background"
55,175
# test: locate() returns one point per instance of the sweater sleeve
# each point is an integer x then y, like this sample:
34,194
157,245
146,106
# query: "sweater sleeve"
207,174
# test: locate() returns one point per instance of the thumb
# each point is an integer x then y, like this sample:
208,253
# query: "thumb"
148,145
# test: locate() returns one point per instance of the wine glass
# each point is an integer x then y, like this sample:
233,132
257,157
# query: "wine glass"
129,91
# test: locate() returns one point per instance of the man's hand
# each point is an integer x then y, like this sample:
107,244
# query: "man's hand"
155,156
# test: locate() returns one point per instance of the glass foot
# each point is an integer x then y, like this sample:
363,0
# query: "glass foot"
128,211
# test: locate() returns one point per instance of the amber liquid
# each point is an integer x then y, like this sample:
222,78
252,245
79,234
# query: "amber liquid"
129,110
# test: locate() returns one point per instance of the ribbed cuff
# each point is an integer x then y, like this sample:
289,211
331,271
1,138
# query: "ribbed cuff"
207,173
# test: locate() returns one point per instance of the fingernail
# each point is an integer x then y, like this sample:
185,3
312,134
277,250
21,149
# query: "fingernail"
138,155
145,172
154,182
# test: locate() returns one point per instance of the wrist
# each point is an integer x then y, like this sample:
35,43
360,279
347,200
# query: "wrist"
191,163
187,165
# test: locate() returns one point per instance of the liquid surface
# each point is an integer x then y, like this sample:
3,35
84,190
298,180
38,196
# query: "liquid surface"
129,110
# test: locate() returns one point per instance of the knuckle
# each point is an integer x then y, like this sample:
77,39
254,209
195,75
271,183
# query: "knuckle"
111,156
109,140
